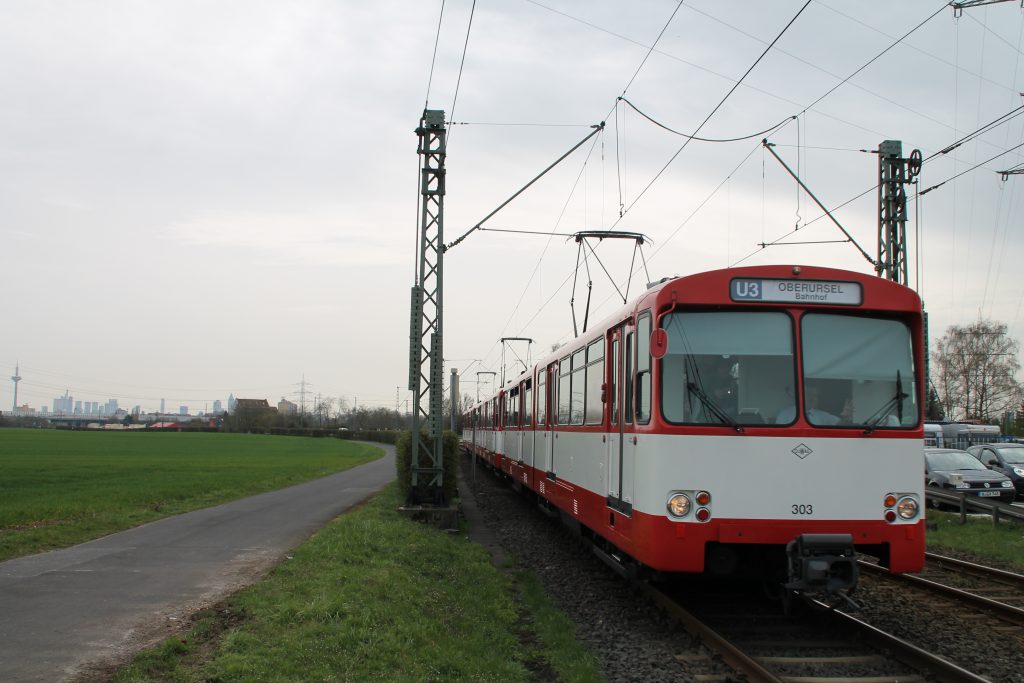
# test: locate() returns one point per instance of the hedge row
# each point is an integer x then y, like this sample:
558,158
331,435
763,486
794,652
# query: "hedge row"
403,467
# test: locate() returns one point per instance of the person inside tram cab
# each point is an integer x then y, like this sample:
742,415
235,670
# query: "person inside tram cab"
815,415
724,387
720,387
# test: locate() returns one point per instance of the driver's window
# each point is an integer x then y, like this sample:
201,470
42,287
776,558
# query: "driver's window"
643,367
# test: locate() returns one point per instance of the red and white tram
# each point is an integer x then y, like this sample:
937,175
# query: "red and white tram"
726,416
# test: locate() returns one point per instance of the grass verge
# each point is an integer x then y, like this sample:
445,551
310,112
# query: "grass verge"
374,596
978,536
60,488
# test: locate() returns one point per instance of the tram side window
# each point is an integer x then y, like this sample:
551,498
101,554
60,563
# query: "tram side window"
542,398
594,410
512,408
578,387
643,367
528,405
564,378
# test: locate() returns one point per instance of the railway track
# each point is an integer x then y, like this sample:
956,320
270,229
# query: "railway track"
814,645
685,641
992,592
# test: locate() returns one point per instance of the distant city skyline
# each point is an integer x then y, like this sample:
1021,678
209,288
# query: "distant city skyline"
69,403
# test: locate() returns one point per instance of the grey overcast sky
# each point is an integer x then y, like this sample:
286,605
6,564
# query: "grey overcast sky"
208,197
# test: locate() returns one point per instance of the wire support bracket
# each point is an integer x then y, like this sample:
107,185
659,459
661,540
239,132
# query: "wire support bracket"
849,238
597,128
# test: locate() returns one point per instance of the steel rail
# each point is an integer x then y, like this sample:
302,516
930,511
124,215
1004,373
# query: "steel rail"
943,670
1008,613
978,570
753,668
731,655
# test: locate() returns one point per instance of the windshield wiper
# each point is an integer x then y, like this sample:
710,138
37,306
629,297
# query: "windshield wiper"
883,412
712,407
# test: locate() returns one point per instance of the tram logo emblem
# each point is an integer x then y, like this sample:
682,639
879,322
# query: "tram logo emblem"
802,451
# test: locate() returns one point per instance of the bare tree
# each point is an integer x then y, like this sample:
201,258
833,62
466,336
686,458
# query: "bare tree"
322,410
976,371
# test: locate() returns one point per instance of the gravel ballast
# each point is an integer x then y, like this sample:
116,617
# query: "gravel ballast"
636,642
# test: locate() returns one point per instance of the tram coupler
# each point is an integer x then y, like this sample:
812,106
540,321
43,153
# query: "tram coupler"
822,563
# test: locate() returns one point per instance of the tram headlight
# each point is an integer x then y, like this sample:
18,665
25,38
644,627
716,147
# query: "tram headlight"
678,505
907,507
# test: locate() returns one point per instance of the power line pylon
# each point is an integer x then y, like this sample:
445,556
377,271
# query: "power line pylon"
426,359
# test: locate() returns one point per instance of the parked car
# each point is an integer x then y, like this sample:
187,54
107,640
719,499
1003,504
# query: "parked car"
958,471
1007,458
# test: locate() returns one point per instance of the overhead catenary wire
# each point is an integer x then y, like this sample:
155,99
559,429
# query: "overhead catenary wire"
653,45
976,166
462,62
1004,41
816,66
998,121
816,101
740,138
536,269
619,163
527,232
876,57
754,88
597,129
849,237
525,125
714,111
1005,118
433,59
805,108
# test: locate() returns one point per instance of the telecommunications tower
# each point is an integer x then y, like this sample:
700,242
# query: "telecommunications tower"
16,378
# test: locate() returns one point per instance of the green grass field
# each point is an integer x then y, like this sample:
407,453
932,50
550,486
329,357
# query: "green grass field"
58,488
377,597
1004,542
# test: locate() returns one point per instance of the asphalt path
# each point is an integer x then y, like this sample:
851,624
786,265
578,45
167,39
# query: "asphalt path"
62,612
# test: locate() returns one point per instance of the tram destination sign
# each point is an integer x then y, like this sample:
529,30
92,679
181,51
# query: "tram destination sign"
797,291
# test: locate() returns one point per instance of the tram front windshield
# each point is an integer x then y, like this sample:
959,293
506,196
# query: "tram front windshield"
859,371
739,368
727,368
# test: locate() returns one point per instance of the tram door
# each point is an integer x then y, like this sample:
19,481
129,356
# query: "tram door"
528,430
614,395
546,416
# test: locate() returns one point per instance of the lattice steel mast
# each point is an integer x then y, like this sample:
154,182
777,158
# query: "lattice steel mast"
426,319
893,173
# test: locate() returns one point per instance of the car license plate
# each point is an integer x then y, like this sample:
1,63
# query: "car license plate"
988,494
